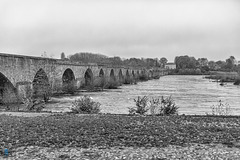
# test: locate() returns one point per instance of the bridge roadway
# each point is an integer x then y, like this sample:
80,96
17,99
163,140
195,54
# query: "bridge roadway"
20,75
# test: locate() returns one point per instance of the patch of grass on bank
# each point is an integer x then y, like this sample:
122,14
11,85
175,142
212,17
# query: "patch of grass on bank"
116,130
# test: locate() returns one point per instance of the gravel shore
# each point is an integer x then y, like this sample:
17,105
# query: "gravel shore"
188,152
108,137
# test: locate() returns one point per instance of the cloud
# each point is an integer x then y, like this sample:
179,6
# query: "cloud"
122,28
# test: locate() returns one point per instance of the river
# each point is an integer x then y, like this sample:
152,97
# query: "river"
192,94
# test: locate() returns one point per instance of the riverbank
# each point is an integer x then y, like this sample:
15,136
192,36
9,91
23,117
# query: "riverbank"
93,135
222,77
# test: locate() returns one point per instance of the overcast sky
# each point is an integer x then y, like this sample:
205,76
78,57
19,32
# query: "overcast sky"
125,28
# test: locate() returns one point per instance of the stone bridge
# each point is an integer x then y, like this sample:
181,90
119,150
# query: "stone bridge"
22,75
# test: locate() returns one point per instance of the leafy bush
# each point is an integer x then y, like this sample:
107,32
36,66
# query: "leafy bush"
163,106
85,105
157,106
168,106
141,104
221,109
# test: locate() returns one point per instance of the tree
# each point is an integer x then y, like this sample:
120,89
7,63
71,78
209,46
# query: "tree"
89,58
163,61
192,64
150,62
230,62
221,64
212,65
203,61
63,55
185,62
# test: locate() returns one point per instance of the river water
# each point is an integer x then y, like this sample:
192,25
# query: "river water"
192,94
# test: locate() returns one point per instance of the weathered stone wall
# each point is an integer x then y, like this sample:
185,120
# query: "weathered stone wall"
21,70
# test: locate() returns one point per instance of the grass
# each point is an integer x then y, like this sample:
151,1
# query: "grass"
116,130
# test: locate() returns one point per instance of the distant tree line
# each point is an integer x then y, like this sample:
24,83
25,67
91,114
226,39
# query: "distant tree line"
191,65
184,64
116,61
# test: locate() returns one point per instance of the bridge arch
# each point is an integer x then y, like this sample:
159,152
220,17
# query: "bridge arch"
127,74
133,73
88,76
128,78
41,85
99,81
101,73
112,76
8,93
120,76
68,80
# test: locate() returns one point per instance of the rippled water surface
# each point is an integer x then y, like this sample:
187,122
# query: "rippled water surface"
192,94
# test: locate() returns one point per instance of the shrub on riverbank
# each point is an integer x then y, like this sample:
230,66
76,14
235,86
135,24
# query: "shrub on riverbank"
168,106
163,106
85,105
141,106
221,109
157,106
